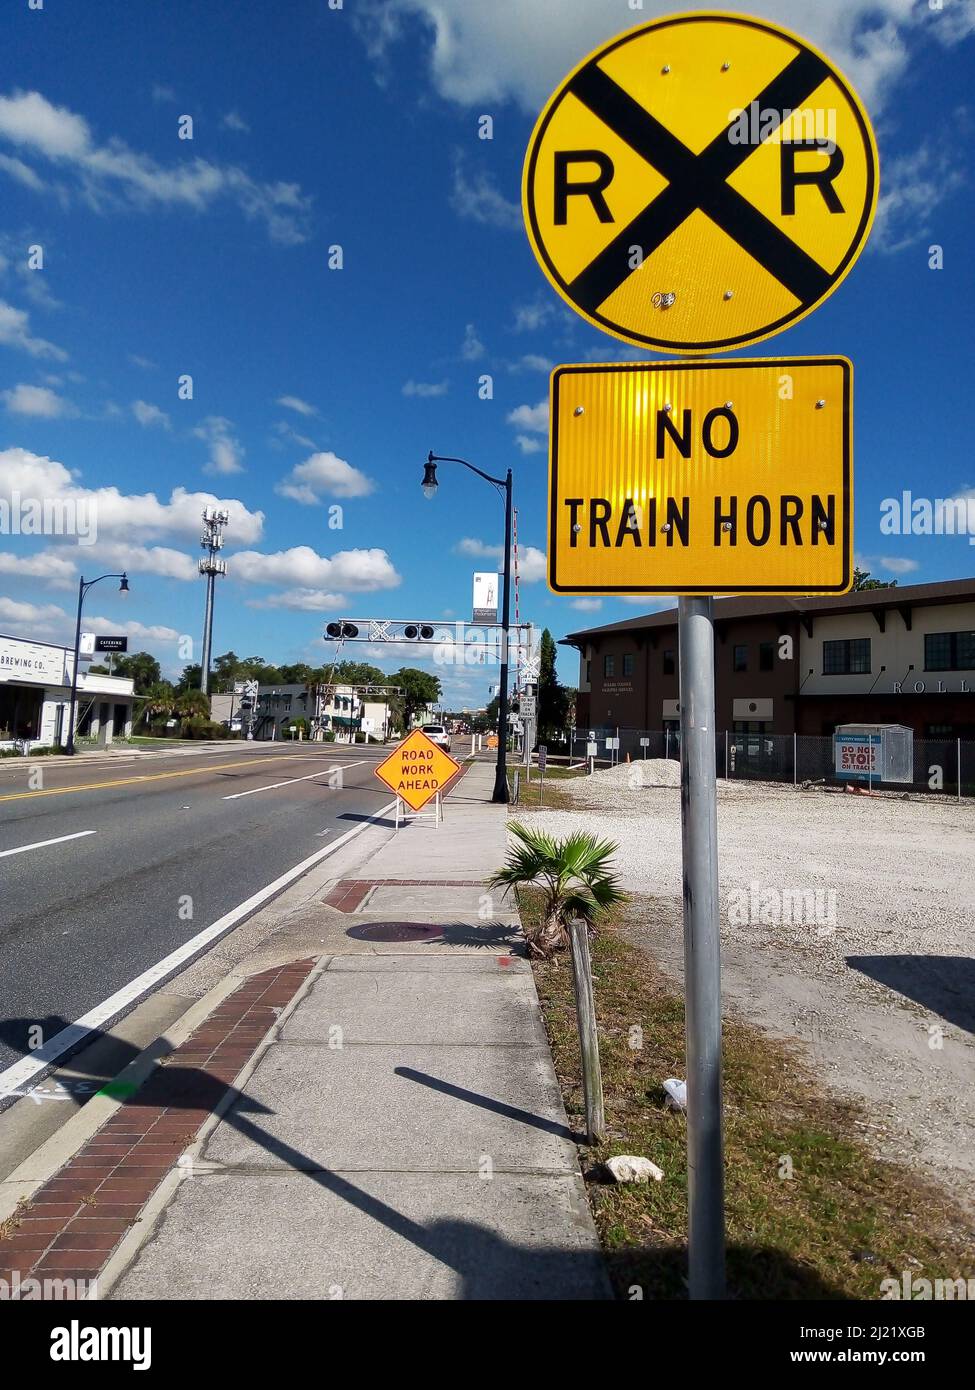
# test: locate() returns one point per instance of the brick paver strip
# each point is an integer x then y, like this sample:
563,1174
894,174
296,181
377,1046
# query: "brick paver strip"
76,1219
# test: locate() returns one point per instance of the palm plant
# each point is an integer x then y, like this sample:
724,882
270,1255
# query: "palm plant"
574,875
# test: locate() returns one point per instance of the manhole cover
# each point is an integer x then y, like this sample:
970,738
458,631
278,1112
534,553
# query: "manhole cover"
396,931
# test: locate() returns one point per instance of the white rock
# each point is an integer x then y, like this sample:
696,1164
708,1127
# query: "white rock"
626,1168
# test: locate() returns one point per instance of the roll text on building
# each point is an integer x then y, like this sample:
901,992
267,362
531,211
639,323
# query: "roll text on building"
804,665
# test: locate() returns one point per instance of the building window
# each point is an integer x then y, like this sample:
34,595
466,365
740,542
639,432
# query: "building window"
609,665
949,651
588,673
848,657
766,656
740,661
670,665
627,663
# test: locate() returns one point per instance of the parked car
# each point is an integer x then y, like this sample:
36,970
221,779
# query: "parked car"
437,733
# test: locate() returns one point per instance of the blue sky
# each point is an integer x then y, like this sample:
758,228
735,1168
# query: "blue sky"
316,127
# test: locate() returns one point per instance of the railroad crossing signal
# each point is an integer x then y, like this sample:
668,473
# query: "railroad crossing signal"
700,182
417,770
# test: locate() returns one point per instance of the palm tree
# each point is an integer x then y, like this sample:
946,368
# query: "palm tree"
159,700
191,703
575,878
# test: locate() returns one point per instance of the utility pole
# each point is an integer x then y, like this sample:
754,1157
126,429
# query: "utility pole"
212,541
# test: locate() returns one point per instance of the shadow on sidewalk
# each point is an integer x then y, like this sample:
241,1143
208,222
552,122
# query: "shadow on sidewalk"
497,1107
488,1265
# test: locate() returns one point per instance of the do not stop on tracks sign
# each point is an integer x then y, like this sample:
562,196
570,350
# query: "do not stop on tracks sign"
700,183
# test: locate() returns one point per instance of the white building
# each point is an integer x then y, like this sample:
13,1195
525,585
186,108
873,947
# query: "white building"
35,693
344,713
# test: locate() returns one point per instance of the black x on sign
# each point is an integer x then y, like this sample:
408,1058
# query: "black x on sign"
700,183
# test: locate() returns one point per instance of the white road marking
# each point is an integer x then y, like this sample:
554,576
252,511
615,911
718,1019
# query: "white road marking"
20,1073
273,786
42,844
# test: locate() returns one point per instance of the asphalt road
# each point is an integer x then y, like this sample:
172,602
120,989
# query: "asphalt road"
154,839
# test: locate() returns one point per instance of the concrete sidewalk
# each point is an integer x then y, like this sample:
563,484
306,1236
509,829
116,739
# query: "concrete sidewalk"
399,1132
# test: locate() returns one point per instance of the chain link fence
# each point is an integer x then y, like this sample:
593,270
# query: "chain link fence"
943,765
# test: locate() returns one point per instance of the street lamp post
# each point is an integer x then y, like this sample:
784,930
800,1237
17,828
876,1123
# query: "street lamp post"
83,587
504,487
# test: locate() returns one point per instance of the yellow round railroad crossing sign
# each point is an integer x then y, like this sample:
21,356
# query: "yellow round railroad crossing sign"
700,183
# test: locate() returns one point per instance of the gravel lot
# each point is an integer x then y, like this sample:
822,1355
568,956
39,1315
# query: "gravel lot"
847,922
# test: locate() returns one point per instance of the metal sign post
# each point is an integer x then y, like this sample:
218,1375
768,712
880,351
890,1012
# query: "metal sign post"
702,953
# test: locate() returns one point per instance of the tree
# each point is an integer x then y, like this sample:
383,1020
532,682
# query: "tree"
574,876
192,702
159,700
355,673
862,580
553,698
141,668
298,674
419,688
190,679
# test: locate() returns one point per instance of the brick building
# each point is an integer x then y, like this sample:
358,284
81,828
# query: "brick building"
785,665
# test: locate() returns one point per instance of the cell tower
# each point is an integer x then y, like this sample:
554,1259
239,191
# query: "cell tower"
214,521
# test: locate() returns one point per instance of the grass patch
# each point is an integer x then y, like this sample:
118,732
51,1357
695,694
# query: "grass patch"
554,797
842,1223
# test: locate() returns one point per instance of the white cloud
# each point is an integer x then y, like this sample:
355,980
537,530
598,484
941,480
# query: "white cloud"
527,445
21,173
233,120
162,93
531,362
587,605
39,620
475,196
302,567
148,415
226,452
134,518
532,564
518,51
913,189
425,388
324,475
302,601
899,564
531,561
112,175
142,559
529,318
479,549
38,401
296,404
145,363
152,633
472,348
530,417
54,567
15,332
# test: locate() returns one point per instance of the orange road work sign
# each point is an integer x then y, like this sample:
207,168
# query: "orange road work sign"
417,769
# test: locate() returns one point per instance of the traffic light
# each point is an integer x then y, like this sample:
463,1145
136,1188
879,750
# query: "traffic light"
413,631
341,630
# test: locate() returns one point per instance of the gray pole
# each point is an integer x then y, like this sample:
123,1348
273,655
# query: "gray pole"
207,634
702,958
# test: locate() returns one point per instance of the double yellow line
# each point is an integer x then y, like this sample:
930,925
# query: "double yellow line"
145,777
